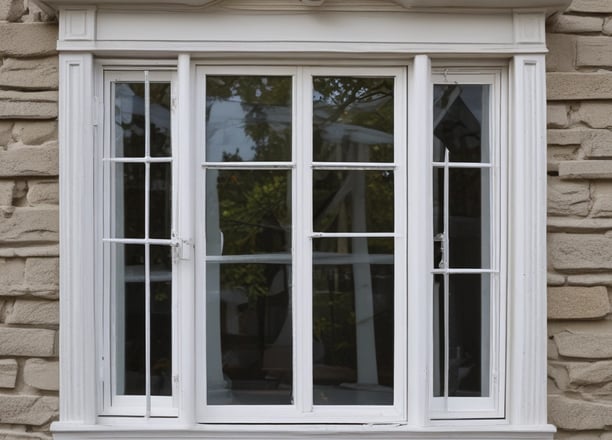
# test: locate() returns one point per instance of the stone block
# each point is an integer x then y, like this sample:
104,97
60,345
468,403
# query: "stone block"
11,10
30,161
34,74
561,56
41,374
568,198
35,132
6,192
591,279
565,86
568,136
30,224
551,350
6,128
11,272
578,302
585,169
556,154
33,312
556,115
589,373
26,342
574,24
584,345
598,144
42,271
27,105
51,250
569,224
579,415
28,410
28,39
43,193
602,203
8,373
591,6
555,279
593,52
580,252
594,114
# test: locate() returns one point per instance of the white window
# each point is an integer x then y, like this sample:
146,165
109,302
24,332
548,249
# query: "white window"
274,241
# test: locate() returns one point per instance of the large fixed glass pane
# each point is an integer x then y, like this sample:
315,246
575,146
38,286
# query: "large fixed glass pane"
353,201
248,212
249,334
467,328
128,202
461,122
129,292
353,321
352,119
248,118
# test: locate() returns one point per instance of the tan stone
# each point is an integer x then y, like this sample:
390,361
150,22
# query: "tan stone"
593,279
42,271
602,206
556,115
11,272
566,86
555,279
30,161
577,415
41,374
561,56
34,312
584,345
568,136
6,128
15,435
574,24
6,192
11,10
28,105
585,169
30,40
575,252
30,224
593,52
8,373
578,302
29,251
594,114
558,374
593,6
568,198
598,144
43,193
551,350
36,73
28,410
568,224
35,132
589,373
557,154
26,342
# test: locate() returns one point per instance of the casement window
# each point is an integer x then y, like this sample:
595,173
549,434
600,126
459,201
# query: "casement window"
282,236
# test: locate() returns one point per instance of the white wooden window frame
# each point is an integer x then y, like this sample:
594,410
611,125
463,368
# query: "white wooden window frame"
89,38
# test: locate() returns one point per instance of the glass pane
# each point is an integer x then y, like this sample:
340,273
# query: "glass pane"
248,118
160,96
129,291
469,222
353,201
248,212
461,122
353,319
467,327
352,119
249,334
129,200
160,214
129,120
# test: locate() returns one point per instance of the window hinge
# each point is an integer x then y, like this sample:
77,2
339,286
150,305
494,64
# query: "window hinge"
182,248
175,378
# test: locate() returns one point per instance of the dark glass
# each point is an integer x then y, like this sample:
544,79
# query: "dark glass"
353,321
160,129
130,287
129,203
249,334
352,119
461,122
248,118
438,336
248,212
129,120
160,208
353,201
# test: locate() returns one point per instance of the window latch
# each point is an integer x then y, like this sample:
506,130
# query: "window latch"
182,248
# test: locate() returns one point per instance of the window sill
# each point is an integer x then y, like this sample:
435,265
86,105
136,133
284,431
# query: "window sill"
172,430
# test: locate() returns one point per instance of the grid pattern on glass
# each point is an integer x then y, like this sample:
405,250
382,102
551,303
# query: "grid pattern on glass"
249,329
462,267
138,239
353,272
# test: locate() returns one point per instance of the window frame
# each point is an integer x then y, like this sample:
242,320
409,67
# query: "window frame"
80,116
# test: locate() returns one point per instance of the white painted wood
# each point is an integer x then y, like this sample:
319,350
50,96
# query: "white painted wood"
77,23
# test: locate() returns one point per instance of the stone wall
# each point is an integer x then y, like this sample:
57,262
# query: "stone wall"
28,221
580,220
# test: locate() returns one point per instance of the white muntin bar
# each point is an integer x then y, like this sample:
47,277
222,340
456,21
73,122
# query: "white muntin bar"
445,265
138,159
461,165
249,165
144,241
353,166
147,250
443,271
